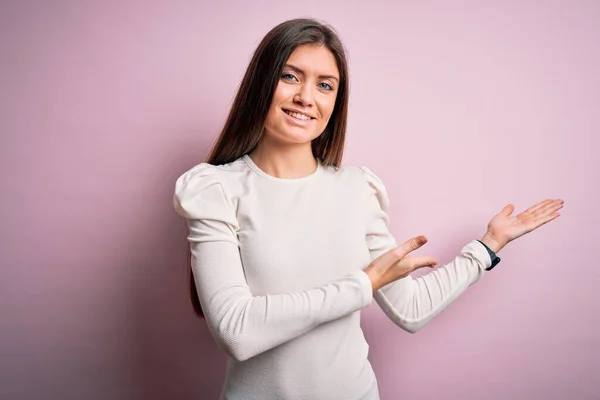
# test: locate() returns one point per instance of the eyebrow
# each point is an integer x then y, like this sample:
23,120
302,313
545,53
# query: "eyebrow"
333,77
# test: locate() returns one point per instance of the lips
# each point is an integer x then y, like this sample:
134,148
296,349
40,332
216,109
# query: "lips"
298,115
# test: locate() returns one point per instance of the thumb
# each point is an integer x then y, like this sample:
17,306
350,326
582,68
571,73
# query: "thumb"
410,245
422,262
506,211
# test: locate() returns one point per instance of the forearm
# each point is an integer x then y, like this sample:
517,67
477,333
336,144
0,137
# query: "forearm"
412,303
246,325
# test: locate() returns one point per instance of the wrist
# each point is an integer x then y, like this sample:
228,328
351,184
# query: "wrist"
374,277
493,243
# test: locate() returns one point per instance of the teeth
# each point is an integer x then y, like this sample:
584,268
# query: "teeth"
298,115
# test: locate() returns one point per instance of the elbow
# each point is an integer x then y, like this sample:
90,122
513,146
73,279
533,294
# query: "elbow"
235,347
238,354
231,332
237,343
412,327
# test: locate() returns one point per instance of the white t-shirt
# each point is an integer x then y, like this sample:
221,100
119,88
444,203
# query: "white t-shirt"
278,264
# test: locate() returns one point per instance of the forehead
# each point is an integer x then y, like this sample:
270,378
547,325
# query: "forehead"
314,59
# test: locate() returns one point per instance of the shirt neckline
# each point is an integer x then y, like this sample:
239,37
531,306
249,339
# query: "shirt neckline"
263,174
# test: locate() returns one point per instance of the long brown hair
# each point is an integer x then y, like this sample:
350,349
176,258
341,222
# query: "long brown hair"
244,126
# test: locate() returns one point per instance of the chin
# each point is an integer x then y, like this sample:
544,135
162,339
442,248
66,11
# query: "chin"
294,137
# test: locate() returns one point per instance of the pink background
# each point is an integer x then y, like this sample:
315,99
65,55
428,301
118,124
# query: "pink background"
460,107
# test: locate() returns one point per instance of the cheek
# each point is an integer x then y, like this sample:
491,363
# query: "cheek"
276,101
280,97
282,93
327,107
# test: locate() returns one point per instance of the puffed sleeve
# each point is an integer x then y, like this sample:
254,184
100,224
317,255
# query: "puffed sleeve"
245,325
199,195
413,302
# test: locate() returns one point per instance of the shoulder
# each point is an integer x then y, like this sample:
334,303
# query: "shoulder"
204,189
362,175
201,176
368,182
205,172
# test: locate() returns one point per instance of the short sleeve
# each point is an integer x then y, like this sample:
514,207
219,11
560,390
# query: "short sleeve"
378,237
200,195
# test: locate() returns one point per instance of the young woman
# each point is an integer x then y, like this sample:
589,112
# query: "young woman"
287,246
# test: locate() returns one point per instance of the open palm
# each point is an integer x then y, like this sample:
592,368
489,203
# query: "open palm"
505,227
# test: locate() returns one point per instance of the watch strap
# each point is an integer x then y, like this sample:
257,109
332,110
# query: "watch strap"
493,256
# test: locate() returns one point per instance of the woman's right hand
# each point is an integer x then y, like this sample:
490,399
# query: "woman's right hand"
396,263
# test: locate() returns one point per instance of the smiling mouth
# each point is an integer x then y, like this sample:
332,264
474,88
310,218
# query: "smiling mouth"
299,116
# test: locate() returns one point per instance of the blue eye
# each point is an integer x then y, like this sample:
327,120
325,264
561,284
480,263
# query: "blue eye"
288,77
327,86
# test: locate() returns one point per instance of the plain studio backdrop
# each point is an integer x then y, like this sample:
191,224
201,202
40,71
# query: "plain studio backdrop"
460,107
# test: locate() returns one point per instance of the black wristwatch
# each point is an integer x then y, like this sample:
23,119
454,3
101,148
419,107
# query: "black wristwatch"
495,259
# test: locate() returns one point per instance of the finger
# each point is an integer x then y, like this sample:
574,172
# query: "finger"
410,245
507,210
423,262
399,252
537,206
543,217
549,209
545,220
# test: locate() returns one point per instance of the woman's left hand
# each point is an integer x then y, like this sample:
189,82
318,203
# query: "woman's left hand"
504,227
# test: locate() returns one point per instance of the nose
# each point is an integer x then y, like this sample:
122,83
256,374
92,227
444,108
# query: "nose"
304,95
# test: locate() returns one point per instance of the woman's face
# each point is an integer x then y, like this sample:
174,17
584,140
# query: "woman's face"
304,97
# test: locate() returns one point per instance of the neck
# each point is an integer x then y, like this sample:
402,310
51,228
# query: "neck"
287,162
